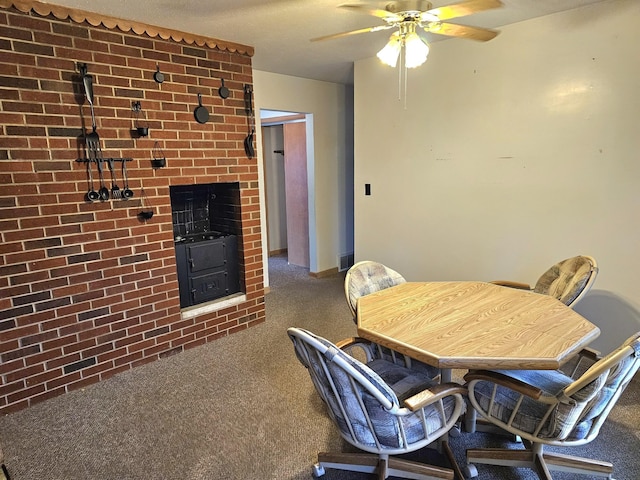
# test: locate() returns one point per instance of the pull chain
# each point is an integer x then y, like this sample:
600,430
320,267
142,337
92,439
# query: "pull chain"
403,82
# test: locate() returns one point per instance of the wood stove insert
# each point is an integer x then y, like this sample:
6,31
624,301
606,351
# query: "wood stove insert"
207,267
206,258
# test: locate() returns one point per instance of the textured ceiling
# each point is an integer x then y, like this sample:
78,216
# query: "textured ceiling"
280,30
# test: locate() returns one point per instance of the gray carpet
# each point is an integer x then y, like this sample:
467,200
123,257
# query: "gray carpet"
238,408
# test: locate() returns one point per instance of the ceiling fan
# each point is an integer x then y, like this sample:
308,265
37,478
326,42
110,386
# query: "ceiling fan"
408,16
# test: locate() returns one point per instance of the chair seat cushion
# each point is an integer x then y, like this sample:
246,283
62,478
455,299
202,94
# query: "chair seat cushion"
385,353
405,382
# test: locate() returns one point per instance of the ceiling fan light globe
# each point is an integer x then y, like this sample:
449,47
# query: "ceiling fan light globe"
414,61
416,50
391,51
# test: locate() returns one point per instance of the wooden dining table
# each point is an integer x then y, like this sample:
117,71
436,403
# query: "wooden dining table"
473,325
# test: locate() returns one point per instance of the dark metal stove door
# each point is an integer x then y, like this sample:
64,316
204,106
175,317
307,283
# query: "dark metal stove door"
206,255
208,287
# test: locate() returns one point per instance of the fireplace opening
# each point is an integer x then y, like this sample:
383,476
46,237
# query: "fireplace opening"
206,228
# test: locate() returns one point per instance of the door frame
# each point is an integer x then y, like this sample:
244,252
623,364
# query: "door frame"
268,118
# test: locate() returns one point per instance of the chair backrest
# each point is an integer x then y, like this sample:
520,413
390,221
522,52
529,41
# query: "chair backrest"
568,280
368,277
363,406
586,403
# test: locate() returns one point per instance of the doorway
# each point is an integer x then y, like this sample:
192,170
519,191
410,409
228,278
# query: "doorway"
284,146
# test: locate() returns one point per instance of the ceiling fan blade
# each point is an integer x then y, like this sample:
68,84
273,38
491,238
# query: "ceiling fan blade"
464,31
376,12
461,9
353,32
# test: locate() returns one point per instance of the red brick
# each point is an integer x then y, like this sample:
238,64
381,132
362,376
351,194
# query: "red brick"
24,373
85,382
25,394
9,388
113,371
129,358
46,395
16,364
79,346
44,357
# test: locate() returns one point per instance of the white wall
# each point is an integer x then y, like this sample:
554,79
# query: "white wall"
328,106
510,155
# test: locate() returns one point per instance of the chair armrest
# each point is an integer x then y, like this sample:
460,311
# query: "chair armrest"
512,284
597,369
505,381
434,394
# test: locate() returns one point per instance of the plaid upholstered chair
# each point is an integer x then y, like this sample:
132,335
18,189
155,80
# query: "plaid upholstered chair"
367,277
379,407
561,408
568,280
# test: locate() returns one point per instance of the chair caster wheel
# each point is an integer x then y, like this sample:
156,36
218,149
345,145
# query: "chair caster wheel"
318,471
469,471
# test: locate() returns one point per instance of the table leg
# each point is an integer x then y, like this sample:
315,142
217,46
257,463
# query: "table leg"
445,375
470,419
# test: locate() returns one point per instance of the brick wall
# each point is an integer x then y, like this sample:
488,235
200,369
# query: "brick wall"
88,290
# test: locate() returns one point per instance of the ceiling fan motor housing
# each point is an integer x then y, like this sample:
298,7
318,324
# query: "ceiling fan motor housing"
408,6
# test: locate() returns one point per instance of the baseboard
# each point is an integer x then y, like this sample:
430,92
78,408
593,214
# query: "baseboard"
277,253
324,273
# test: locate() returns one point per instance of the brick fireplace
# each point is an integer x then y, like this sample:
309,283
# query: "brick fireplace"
90,289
